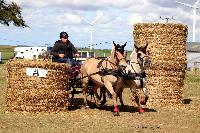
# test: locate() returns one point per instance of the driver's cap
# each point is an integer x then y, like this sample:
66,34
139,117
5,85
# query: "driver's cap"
63,35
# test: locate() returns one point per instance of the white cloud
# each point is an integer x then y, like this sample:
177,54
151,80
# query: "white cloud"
70,18
134,18
114,18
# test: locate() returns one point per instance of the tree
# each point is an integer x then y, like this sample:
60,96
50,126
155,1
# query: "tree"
11,13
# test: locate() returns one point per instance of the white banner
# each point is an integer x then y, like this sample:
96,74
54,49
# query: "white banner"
37,72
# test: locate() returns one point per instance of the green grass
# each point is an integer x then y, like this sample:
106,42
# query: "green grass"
101,52
7,52
192,84
2,74
192,77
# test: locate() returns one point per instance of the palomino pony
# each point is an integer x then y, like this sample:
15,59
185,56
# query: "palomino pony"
103,73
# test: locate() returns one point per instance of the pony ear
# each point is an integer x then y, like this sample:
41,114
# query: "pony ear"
114,43
136,48
144,48
124,45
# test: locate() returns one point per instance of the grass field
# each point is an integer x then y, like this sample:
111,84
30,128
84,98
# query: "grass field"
6,52
183,119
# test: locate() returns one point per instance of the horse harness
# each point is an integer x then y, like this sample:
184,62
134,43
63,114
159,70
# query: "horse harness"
106,71
135,76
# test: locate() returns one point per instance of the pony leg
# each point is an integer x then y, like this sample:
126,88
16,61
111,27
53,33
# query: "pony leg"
103,95
135,96
145,92
85,96
120,97
85,85
108,85
146,96
85,81
141,110
97,98
119,89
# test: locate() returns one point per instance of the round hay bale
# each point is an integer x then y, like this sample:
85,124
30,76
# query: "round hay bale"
35,93
167,52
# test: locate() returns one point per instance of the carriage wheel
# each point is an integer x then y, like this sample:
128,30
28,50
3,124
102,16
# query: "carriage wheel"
71,93
102,95
90,93
92,99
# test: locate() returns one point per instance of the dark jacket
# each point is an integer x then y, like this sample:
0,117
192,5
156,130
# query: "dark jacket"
67,49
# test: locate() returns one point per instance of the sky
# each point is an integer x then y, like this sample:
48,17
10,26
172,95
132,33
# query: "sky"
114,21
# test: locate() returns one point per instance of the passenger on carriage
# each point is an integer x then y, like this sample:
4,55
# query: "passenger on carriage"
64,51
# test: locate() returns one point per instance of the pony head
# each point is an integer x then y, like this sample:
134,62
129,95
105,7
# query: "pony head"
118,53
142,56
120,48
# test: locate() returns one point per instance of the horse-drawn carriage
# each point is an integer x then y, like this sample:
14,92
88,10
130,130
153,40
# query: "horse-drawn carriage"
111,73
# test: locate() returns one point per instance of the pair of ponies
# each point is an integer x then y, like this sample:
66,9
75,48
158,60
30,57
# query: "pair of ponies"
114,68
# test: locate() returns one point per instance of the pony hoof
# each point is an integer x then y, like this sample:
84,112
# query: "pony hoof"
142,102
141,111
116,113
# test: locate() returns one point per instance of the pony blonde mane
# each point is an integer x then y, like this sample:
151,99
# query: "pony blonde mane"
112,50
133,56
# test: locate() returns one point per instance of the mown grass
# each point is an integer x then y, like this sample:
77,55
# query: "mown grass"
7,52
192,84
185,119
2,74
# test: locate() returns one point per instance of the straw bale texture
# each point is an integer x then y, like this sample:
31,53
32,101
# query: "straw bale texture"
167,52
35,94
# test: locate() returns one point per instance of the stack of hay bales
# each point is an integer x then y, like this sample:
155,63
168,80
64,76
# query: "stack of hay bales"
36,94
167,51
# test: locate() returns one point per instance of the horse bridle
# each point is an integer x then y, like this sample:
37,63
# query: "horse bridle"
115,56
113,71
141,64
139,75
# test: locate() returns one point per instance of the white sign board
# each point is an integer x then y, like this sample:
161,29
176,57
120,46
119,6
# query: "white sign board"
37,72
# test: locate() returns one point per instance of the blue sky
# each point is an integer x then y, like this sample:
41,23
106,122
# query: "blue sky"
115,20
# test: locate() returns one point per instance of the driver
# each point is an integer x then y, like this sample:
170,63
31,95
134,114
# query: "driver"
63,50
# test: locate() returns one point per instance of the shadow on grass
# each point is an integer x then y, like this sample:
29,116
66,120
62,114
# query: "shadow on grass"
187,101
78,103
126,108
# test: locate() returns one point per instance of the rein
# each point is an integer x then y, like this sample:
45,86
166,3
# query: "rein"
104,71
140,75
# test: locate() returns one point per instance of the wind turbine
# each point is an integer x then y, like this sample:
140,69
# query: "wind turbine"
99,14
194,9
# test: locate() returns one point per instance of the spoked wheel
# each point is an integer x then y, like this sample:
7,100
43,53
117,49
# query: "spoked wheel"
90,95
98,100
71,93
102,95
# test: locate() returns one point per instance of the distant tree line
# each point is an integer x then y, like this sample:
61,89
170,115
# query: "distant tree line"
11,13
